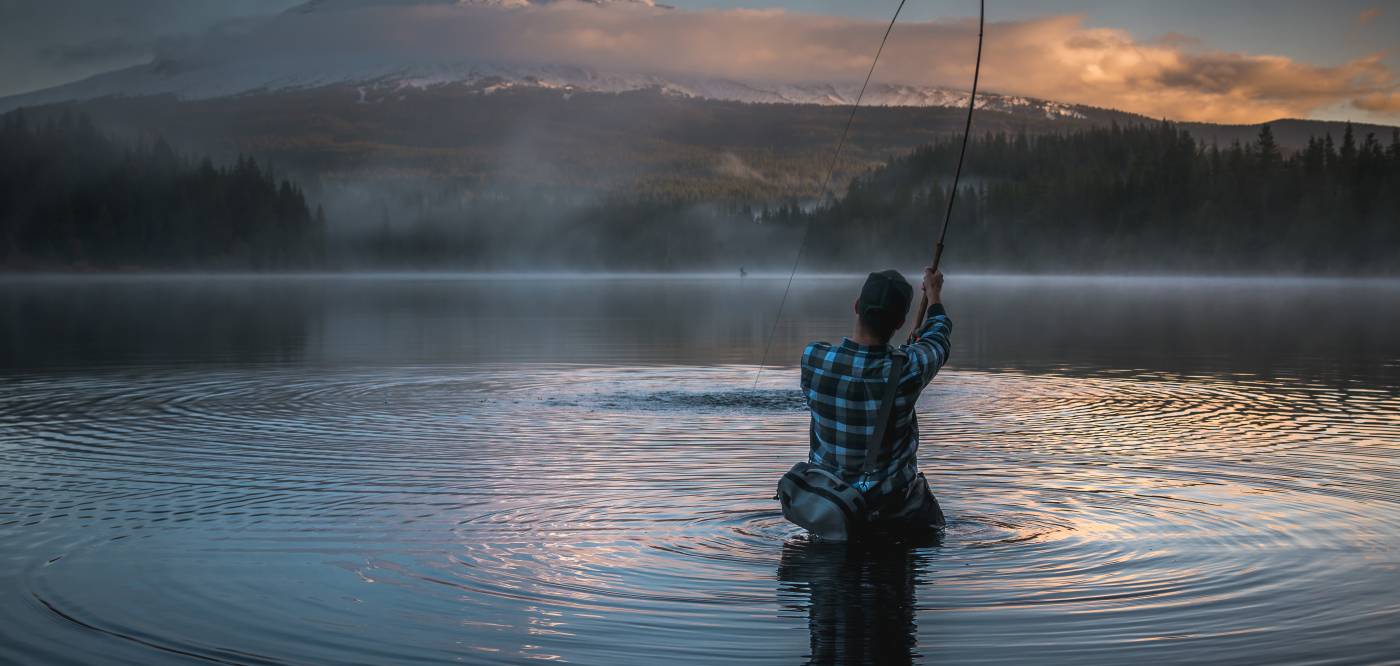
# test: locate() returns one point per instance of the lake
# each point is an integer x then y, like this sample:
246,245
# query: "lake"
576,468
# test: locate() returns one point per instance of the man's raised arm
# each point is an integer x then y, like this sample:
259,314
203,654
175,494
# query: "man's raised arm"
929,350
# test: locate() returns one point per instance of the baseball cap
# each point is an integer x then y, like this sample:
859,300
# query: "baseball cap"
885,297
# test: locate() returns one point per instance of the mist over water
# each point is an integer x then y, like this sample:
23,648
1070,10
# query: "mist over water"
355,469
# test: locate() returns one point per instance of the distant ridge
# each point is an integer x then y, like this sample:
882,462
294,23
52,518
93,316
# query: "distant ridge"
310,47
196,81
396,113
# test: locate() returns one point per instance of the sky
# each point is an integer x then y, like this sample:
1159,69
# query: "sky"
1220,61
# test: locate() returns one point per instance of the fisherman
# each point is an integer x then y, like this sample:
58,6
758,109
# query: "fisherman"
845,386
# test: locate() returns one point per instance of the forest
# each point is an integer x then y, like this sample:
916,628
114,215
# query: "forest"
1140,197
72,198
1125,198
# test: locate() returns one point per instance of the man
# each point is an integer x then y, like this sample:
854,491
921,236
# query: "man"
844,383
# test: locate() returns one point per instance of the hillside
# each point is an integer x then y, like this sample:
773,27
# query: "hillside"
71,198
1138,198
643,143
407,104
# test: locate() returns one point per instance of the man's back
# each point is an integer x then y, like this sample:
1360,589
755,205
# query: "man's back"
843,385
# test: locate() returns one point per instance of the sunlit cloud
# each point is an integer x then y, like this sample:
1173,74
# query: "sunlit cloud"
1054,57
1379,102
1368,15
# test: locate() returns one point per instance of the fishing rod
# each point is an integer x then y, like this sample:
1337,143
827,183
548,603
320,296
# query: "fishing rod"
807,226
957,173
826,183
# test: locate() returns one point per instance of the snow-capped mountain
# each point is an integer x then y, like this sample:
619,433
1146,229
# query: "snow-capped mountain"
383,48
374,80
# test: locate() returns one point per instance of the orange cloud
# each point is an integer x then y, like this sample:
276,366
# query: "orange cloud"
1368,15
1060,58
1379,102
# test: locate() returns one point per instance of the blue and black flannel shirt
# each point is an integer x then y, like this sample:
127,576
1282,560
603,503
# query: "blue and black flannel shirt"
843,385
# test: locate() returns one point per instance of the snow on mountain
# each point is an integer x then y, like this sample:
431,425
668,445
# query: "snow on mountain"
354,43
213,80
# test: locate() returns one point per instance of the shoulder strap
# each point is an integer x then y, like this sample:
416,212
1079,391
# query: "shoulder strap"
877,441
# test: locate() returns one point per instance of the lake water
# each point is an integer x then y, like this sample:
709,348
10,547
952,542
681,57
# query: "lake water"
424,469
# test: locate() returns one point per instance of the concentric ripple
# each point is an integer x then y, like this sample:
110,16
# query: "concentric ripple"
598,514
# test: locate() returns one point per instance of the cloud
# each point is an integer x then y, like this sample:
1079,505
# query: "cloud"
1178,39
1368,15
1053,57
49,42
1379,103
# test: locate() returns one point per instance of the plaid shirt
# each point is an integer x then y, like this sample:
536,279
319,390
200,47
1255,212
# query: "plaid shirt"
844,384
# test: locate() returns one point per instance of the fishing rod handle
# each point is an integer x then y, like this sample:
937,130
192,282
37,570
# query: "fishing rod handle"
923,307
923,298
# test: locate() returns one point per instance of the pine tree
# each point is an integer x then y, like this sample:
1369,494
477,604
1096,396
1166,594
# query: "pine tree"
1348,152
71,196
1269,154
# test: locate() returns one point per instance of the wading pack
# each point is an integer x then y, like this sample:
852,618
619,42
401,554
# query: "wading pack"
817,499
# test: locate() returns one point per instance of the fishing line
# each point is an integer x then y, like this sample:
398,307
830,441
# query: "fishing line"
957,175
826,183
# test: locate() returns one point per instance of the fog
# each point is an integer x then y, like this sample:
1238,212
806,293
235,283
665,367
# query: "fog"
1049,323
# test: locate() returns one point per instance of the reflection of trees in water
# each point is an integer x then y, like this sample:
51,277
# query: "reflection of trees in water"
861,600
86,321
1082,325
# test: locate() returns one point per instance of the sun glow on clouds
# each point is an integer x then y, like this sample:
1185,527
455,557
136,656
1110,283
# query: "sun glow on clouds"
1053,57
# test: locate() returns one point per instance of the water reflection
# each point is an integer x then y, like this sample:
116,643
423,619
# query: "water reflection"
860,599
1060,325
434,469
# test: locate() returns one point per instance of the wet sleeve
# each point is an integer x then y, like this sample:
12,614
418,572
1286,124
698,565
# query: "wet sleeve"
929,350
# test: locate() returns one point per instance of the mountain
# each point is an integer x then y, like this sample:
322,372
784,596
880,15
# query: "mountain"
383,47
340,108
195,80
301,91
490,136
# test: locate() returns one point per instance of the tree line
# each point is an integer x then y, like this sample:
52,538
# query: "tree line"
72,197
1134,198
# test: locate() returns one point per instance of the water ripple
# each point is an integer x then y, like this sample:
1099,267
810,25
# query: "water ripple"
623,514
